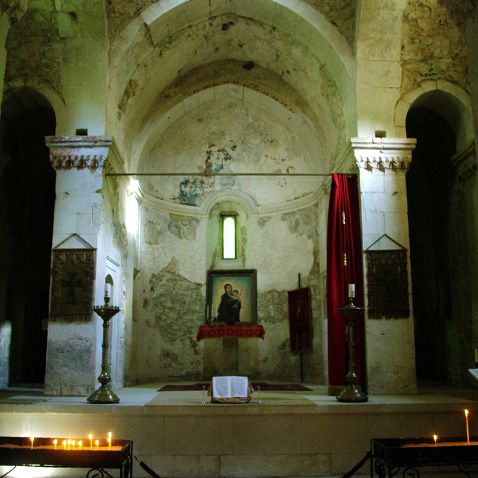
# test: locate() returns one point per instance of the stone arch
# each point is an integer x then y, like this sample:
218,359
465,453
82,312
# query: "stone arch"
45,96
445,98
144,64
27,198
438,115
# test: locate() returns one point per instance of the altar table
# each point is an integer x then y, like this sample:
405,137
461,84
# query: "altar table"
214,331
230,334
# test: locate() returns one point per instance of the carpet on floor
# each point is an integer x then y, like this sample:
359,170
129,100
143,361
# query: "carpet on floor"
264,386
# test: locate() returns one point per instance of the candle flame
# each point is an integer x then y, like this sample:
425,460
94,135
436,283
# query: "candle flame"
435,437
55,441
97,442
466,412
80,444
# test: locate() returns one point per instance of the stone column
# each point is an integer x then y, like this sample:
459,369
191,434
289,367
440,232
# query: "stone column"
74,345
465,194
390,344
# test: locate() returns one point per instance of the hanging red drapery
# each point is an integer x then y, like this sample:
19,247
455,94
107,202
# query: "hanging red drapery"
344,266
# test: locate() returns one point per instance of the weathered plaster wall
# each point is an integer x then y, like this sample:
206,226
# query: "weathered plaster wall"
120,256
171,285
169,295
232,136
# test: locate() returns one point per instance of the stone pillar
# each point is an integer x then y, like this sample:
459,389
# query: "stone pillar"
466,199
390,344
74,345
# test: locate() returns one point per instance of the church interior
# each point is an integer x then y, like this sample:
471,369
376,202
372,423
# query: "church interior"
338,139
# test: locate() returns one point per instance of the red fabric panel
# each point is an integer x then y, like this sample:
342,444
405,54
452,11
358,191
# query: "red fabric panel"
344,239
214,331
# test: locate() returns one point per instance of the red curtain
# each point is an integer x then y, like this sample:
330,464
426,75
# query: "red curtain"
344,266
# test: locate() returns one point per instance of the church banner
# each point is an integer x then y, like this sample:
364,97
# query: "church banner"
299,320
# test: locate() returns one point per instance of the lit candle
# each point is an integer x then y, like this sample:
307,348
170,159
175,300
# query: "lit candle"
435,438
90,436
32,439
80,444
109,439
97,443
55,442
73,443
64,444
467,427
351,291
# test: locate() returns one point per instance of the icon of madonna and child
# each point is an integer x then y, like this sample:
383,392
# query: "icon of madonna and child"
229,309
231,297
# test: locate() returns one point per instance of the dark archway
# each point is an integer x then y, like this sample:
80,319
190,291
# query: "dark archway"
27,185
430,183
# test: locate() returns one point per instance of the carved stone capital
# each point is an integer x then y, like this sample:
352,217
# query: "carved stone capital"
465,163
393,154
80,152
14,9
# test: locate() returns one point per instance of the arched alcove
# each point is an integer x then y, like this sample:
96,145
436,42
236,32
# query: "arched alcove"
27,189
438,242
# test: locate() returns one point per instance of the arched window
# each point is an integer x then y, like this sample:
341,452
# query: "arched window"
228,234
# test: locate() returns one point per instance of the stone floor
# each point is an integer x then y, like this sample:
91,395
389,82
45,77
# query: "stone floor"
279,433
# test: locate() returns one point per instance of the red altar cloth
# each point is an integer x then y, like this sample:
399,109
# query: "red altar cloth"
214,331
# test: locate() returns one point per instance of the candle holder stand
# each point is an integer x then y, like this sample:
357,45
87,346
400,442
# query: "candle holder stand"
104,394
351,392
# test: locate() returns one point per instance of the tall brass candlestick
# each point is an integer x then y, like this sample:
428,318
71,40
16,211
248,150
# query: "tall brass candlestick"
351,392
104,394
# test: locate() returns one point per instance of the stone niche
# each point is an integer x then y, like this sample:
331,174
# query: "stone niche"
180,241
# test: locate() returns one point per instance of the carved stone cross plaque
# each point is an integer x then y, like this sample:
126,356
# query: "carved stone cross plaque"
387,279
72,280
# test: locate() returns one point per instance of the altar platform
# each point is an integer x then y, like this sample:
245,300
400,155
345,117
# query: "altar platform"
276,434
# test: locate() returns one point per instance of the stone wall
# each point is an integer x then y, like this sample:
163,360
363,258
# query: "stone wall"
64,44
433,46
